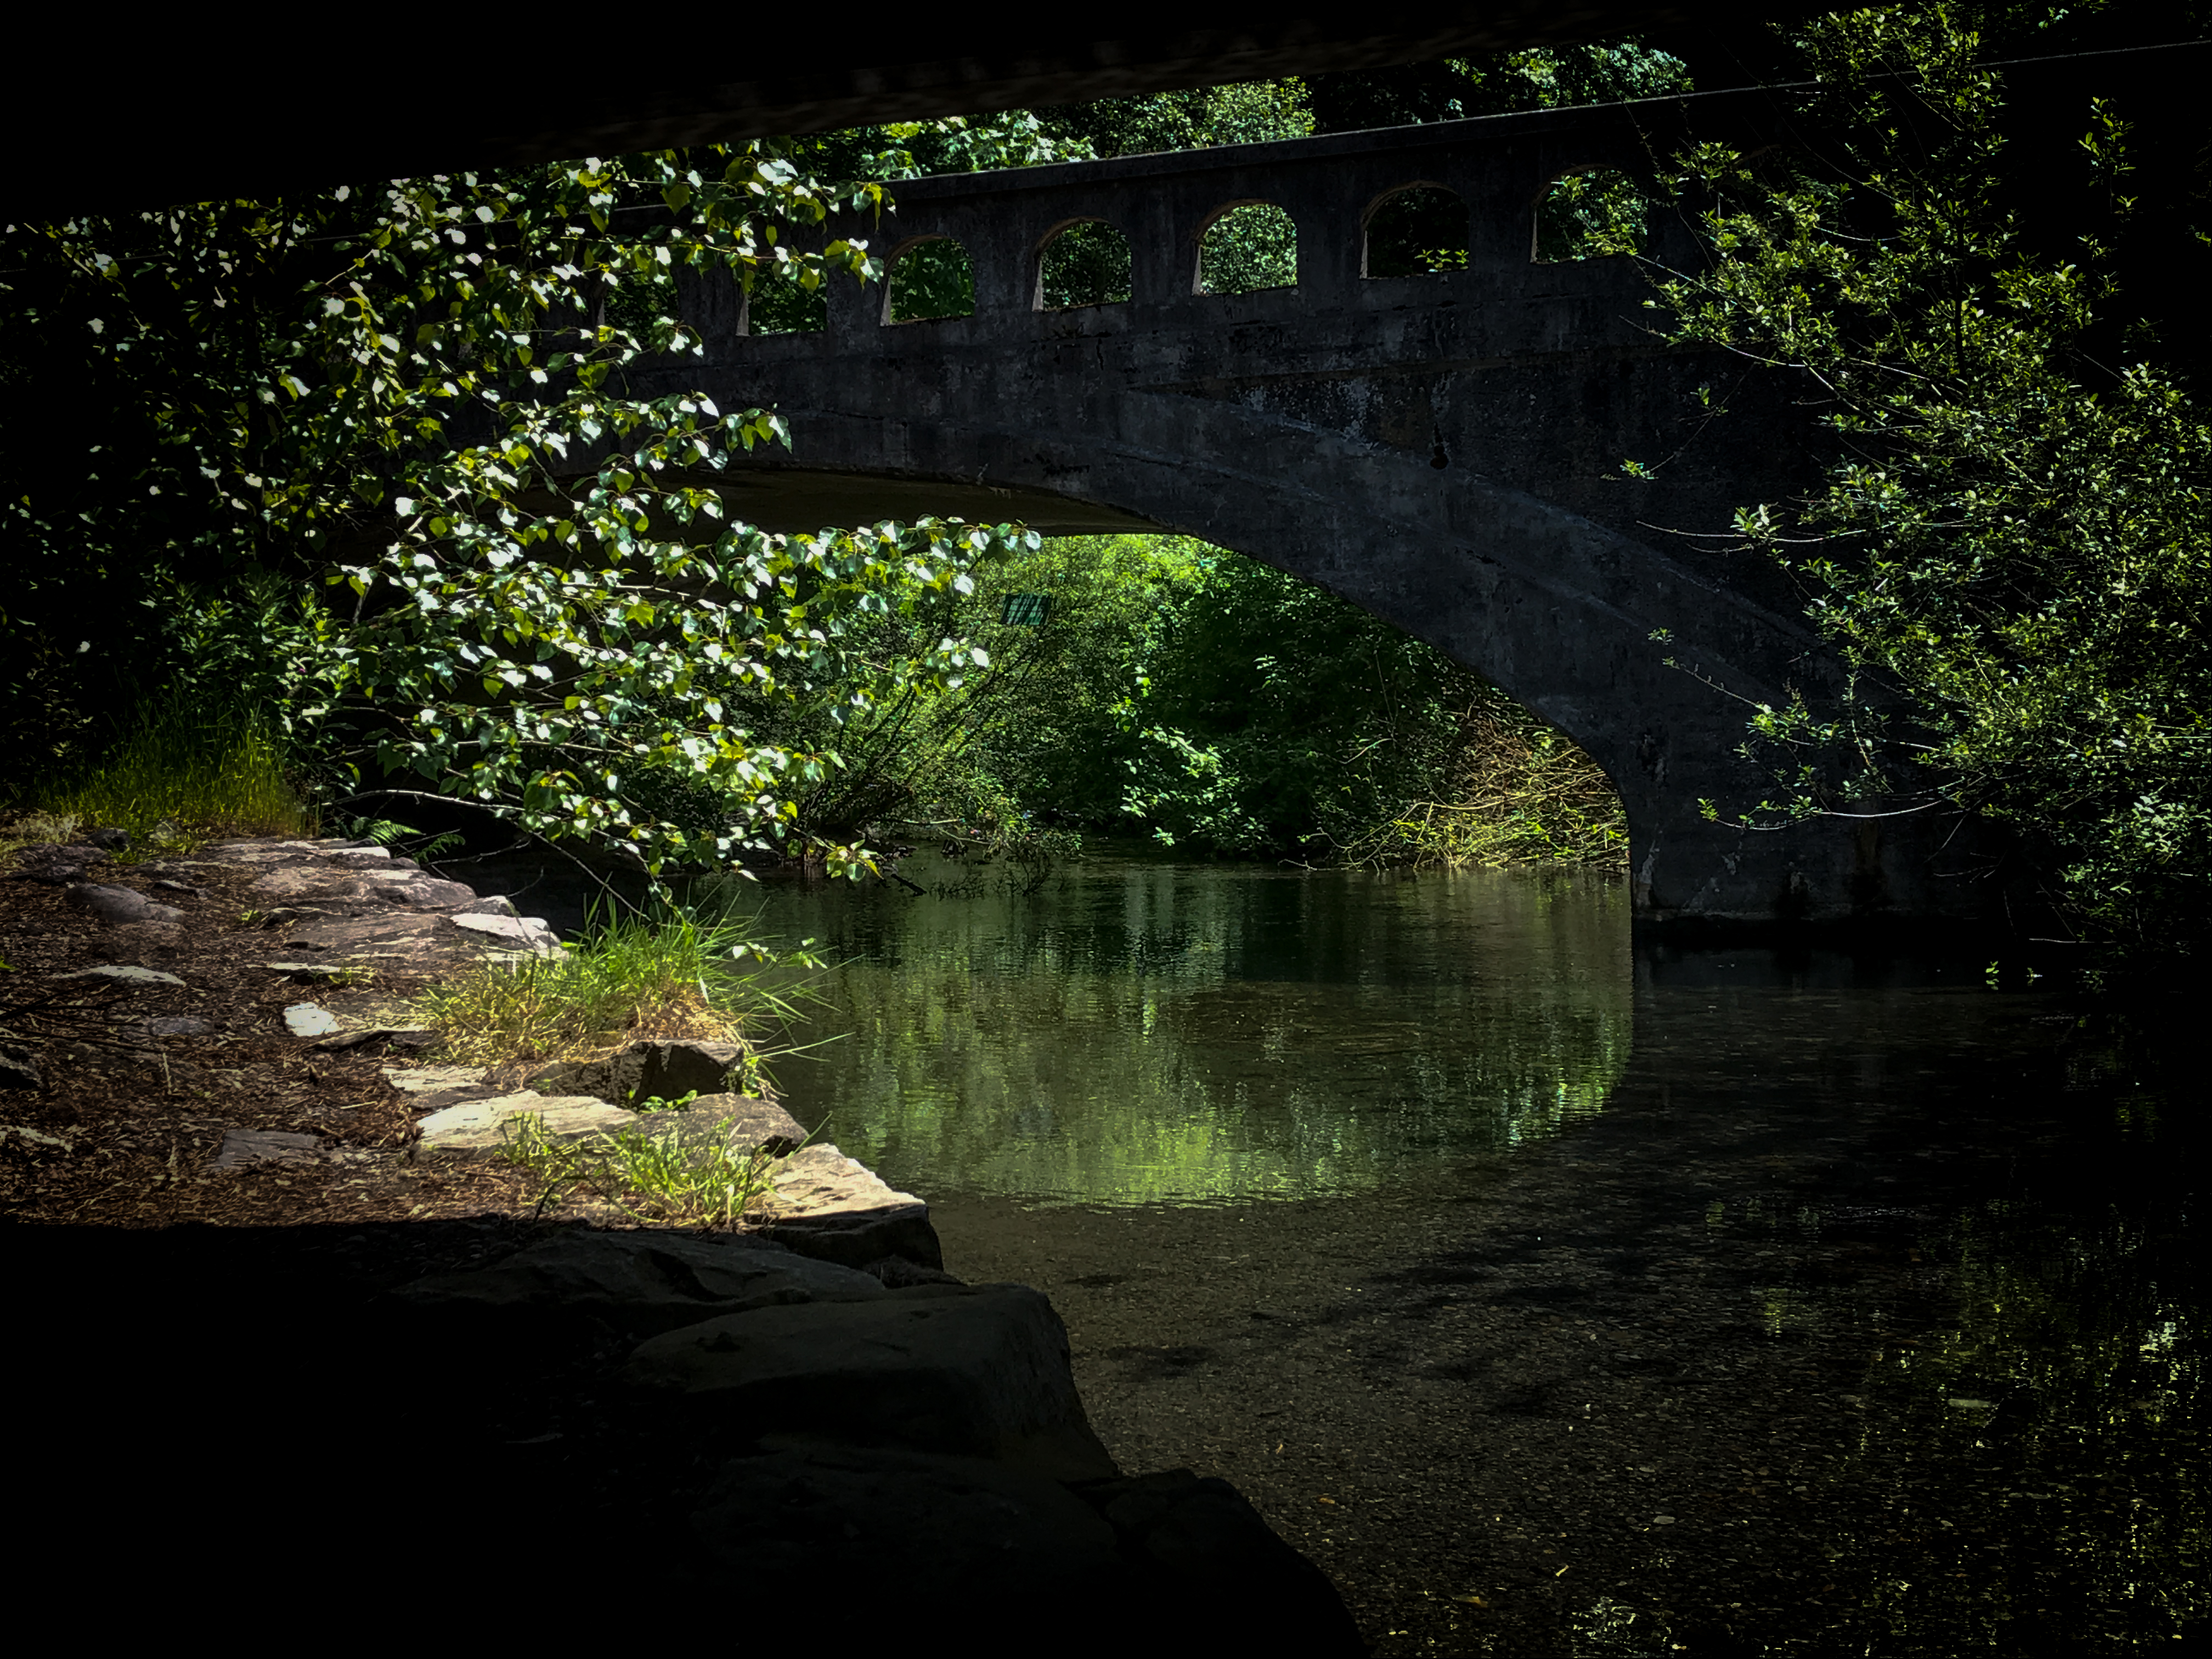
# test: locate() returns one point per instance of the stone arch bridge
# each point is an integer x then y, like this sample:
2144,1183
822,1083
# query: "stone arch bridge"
1445,450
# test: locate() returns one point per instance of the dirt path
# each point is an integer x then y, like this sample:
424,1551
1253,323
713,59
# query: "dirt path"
146,1078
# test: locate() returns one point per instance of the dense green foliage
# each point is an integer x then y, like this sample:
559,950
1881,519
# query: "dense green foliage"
1492,83
357,473
416,393
1210,702
2014,549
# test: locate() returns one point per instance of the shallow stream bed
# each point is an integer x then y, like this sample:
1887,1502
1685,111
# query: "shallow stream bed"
1559,1297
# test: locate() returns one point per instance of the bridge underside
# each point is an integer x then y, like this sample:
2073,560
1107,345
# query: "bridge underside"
790,500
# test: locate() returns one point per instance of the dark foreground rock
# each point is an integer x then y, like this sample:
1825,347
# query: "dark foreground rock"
639,1283
978,1371
922,1453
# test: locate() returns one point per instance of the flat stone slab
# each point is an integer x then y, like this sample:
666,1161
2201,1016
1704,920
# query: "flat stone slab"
422,893
125,975
390,939
432,1079
972,1370
306,1019
179,1025
269,852
475,1128
837,1207
642,1282
517,932
737,1121
307,883
243,1146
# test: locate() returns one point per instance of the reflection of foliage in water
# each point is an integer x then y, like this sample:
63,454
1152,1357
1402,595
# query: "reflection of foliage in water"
1144,1031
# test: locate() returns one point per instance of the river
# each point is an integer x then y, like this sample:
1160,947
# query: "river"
1557,1296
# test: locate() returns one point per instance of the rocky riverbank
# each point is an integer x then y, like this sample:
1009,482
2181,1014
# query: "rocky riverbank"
806,1426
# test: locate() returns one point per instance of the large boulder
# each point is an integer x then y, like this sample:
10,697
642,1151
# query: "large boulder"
976,1370
642,1283
1205,1538
1005,1560
928,1543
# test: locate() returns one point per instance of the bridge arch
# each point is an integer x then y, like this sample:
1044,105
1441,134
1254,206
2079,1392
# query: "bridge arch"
1447,454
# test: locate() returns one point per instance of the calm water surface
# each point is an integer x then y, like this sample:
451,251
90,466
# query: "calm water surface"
1559,1296
1138,1031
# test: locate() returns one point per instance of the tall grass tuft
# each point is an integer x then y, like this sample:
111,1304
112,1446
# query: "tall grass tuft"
650,1173
630,978
183,772
1520,793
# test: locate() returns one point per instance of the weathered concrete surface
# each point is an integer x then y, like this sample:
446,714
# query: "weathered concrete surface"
975,1370
1444,450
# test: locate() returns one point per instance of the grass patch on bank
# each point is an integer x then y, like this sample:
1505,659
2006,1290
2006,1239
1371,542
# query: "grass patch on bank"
182,774
1522,794
627,980
650,1173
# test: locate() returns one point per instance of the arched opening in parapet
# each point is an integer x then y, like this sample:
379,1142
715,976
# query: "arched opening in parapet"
1596,212
780,304
1415,230
931,277
1247,247
1084,263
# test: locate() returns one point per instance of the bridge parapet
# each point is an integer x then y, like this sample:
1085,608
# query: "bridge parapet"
1500,166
